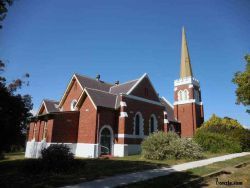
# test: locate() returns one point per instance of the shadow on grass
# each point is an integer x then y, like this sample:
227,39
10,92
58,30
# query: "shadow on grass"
13,175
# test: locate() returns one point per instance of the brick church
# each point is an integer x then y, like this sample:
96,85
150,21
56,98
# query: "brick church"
97,118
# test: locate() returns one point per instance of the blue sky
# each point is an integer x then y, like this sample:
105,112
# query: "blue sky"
122,39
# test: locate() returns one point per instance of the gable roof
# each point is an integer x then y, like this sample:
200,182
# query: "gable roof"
123,88
49,105
93,83
139,81
169,108
85,81
98,98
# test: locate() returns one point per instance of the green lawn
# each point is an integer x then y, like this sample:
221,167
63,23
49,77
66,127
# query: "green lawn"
176,179
11,173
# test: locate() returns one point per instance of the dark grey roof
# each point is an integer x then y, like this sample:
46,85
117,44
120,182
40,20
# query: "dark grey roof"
102,98
93,83
122,88
51,105
169,109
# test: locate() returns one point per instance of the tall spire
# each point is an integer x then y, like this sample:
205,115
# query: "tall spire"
186,69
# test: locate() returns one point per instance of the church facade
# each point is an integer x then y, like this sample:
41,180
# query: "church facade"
96,118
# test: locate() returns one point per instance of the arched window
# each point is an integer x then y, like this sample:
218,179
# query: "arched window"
185,95
180,95
138,124
152,124
73,104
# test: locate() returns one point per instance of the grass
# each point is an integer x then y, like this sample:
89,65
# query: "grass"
236,175
167,162
173,180
12,175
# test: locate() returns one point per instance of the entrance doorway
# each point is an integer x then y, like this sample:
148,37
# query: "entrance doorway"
106,141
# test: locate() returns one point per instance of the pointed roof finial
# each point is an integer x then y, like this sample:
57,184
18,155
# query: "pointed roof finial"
186,69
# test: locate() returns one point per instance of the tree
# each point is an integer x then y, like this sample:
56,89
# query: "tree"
14,108
14,112
4,4
242,81
223,129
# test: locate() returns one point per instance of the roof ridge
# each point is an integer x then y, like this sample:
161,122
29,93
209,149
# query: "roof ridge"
124,83
163,98
51,100
99,90
76,74
138,81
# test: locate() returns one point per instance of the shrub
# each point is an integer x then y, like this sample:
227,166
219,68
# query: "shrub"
227,129
57,158
157,145
216,142
160,145
187,149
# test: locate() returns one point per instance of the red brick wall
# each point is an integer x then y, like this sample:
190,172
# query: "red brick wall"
87,122
49,130
65,128
31,131
140,90
74,93
146,109
185,113
41,130
190,117
37,131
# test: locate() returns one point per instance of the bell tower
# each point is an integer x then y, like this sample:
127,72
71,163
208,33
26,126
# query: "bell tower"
188,107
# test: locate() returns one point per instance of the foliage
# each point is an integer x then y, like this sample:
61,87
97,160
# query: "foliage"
160,145
242,81
225,131
14,111
215,142
4,4
187,149
157,146
14,108
57,158
216,123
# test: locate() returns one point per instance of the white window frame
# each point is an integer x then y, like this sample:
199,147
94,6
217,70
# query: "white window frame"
141,124
72,107
155,124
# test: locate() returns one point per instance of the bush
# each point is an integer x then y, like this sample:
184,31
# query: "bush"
57,158
216,142
157,146
187,149
160,145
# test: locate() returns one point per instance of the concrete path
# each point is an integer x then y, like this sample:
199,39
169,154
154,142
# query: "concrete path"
126,179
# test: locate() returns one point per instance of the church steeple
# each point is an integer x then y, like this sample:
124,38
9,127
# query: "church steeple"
186,69
188,106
